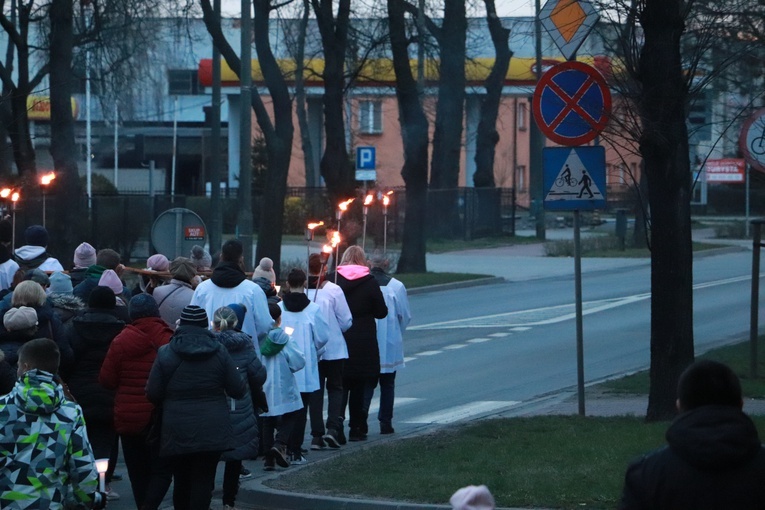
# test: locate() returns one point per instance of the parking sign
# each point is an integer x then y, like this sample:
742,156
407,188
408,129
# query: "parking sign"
365,164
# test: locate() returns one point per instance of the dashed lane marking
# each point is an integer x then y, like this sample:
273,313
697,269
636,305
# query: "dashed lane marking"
499,335
463,412
518,329
429,353
478,340
455,346
411,358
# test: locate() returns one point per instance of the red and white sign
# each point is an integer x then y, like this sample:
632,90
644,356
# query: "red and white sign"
725,170
194,233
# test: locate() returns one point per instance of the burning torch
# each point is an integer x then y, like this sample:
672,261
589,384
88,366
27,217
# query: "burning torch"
367,202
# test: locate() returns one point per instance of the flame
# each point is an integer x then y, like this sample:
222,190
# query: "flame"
46,179
386,200
343,206
335,239
312,226
368,200
5,192
326,248
15,196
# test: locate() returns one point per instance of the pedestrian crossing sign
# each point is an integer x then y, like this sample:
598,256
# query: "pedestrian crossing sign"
574,178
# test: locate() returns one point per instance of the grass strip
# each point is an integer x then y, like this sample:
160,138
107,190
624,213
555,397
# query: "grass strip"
414,280
735,356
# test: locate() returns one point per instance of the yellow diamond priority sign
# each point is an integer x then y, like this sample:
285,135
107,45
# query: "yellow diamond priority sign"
568,22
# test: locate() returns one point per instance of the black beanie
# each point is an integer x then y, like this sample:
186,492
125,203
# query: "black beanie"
102,297
142,305
36,235
192,315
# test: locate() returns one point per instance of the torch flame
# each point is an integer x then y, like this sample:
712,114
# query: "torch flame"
335,239
15,196
5,193
46,179
326,248
312,226
368,200
344,205
386,200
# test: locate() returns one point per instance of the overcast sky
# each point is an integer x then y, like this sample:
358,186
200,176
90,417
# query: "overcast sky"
505,8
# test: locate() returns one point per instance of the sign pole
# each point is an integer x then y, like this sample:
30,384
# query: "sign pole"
578,298
747,171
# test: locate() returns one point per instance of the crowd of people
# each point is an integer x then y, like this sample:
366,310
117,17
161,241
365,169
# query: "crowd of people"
195,365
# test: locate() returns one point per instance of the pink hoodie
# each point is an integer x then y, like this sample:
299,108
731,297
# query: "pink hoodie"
353,272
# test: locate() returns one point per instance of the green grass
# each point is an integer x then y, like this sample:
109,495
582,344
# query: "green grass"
606,246
414,280
544,461
736,356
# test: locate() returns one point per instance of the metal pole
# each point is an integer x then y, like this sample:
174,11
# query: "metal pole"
579,329
754,303
116,145
245,136
385,230
175,149
364,230
536,138
43,193
746,179
88,149
151,188
215,159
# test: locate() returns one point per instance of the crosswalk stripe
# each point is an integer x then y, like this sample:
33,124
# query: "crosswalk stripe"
429,353
478,340
463,412
398,402
499,335
455,346
518,329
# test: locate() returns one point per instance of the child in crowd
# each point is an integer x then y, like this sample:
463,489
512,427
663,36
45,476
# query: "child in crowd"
281,359
45,458
310,334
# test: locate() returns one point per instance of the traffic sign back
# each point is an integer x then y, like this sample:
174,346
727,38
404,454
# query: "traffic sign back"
572,103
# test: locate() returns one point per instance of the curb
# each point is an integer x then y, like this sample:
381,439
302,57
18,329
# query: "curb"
478,282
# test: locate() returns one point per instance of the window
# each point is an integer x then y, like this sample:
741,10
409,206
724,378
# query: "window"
523,109
183,82
370,117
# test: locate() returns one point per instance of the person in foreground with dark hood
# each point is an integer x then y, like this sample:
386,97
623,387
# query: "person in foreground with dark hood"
229,284
713,458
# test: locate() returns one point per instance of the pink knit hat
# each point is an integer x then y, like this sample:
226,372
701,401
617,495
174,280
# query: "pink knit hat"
158,262
110,279
472,497
84,255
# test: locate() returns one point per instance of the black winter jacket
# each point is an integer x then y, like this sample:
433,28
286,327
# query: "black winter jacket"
366,303
89,337
243,420
190,379
713,460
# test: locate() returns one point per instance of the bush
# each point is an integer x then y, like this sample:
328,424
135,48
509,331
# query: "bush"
732,230
589,244
294,216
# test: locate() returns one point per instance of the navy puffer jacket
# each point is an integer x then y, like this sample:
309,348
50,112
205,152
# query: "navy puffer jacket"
242,414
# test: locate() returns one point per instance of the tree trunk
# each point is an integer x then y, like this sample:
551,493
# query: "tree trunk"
21,137
447,137
300,103
278,140
336,168
664,146
66,232
487,135
414,133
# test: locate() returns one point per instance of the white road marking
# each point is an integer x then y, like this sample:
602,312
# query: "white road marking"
429,353
555,314
478,340
374,406
499,335
455,346
463,412
411,358
518,329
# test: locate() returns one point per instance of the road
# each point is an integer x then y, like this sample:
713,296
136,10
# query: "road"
479,351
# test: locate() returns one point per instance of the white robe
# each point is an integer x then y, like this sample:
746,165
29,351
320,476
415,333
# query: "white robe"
338,316
390,330
310,334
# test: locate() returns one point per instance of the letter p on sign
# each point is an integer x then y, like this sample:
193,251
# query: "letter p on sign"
365,158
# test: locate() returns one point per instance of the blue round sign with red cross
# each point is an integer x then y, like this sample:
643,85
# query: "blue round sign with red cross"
571,103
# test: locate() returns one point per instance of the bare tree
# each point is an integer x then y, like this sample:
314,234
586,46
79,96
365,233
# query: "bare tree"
414,134
277,133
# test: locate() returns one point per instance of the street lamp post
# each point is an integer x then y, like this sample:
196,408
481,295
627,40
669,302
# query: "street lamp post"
45,181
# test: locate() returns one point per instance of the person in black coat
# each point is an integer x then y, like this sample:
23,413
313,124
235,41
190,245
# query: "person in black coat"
713,458
86,341
362,367
191,379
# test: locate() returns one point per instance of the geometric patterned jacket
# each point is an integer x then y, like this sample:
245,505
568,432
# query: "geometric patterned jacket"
46,461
